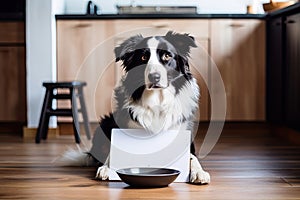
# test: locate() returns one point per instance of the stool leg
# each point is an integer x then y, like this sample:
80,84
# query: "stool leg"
84,113
44,118
76,133
76,126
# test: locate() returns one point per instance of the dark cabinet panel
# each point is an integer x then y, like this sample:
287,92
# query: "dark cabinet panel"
292,65
283,70
12,77
274,71
12,10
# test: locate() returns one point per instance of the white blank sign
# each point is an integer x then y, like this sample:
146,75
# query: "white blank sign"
139,148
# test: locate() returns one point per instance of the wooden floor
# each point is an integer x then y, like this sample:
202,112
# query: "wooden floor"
245,164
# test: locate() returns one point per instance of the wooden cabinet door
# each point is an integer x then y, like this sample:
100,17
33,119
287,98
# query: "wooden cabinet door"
12,84
12,73
85,52
238,49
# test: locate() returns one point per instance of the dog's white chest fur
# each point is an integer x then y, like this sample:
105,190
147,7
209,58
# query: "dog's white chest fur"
161,110
157,109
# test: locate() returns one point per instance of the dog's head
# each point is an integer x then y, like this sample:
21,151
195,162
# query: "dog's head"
155,63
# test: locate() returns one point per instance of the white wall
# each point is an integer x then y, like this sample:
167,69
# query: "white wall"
40,53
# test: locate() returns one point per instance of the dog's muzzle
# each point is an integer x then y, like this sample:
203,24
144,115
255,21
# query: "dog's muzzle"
154,79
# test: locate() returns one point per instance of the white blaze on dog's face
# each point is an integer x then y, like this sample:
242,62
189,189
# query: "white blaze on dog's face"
155,73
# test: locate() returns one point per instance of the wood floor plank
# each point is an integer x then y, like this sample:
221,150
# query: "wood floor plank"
242,166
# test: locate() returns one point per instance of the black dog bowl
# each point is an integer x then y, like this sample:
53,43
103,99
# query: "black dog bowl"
148,177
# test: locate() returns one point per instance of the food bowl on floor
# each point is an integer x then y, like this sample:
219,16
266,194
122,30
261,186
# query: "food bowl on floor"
148,177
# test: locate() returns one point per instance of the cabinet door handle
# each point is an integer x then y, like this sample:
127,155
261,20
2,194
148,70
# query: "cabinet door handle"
160,24
277,24
82,25
290,22
236,25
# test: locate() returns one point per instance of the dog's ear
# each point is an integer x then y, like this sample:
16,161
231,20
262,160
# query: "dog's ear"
127,47
182,42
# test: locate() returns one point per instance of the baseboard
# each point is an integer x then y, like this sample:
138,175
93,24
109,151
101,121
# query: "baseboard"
65,128
30,133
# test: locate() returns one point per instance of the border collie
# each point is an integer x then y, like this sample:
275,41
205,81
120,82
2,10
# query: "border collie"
157,93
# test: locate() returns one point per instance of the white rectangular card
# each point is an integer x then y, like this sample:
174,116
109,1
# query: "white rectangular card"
138,148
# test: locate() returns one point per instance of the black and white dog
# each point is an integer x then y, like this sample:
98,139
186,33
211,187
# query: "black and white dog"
157,93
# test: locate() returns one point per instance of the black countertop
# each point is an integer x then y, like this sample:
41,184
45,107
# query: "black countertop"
288,10
163,16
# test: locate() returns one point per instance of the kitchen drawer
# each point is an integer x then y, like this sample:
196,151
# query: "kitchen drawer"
147,27
12,32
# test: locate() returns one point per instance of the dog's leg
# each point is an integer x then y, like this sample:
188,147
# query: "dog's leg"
197,174
102,172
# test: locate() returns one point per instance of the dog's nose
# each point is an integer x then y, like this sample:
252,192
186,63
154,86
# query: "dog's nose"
154,77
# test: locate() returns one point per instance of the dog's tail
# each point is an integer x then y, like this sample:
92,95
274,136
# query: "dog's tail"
75,158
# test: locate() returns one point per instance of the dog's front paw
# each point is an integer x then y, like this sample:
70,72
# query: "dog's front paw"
199,176
102,173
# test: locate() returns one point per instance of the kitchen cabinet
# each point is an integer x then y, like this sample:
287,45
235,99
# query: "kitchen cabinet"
85,52
12,73
283,46
292,71
238,50
237,46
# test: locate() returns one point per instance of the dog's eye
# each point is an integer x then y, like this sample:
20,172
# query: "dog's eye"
166,57
144,58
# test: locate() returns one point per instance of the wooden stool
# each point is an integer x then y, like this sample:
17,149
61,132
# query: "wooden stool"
75,90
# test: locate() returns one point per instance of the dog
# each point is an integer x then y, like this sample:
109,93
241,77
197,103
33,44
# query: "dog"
157,93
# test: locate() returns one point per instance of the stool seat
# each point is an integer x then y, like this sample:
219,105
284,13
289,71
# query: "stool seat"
75,89
72,84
